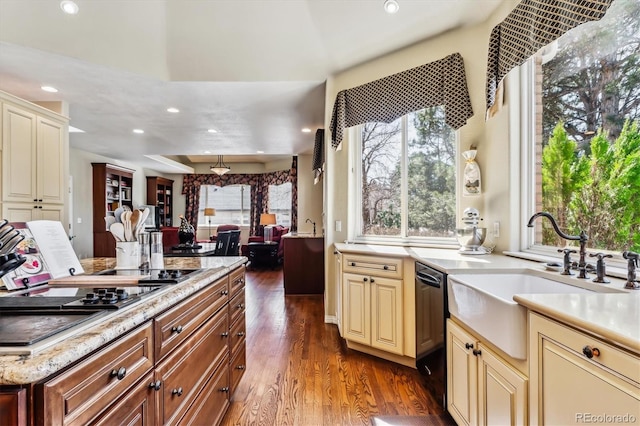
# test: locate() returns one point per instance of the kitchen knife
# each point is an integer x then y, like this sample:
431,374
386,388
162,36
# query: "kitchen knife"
7,237
11,244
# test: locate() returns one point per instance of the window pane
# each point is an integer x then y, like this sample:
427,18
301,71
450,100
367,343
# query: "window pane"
232,204
588,151
380,173
280,203
431,174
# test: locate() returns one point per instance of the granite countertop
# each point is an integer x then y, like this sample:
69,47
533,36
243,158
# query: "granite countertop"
612,316
24,369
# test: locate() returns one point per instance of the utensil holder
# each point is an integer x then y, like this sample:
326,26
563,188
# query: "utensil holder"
127,255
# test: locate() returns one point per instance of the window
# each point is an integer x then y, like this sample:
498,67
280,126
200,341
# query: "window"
585,144
280,203
232,204
407,178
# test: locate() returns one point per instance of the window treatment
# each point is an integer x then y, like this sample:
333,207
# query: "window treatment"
530,26
259,191
318,155
442,82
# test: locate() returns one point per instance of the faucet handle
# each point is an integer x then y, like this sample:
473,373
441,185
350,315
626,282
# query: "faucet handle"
567,260
600,268
600,256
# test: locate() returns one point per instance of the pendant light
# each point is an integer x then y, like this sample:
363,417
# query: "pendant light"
220,168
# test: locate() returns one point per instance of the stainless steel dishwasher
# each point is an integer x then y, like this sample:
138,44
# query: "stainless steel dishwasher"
431,309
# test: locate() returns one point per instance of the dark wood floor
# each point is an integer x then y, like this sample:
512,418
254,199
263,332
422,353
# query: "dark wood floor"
299,371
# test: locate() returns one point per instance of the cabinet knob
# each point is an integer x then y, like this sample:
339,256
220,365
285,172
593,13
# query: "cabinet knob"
241,367
590,352
241,306
177,391
241,334
177,329
477,352
224,292
365,279
35,207
225,334
353,263
224,389
155,385
385,267
468,345
120,373
372,280
39,200
35,200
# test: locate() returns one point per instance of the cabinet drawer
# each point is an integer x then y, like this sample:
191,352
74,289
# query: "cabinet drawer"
177,324
238,333
371,265
238,367
610,357
80,394
212,402
236,280
236,307
136,407
186,370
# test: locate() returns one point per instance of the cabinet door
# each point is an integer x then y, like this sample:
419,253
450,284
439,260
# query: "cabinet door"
50,170
338,291
136,407
502,391
386,314
19,212
356,302
462,366
19,154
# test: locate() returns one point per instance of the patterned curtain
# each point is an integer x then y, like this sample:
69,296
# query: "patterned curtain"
318,155
442,82
531,25
259,191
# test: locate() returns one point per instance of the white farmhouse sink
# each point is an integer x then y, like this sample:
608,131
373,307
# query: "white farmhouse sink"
484,302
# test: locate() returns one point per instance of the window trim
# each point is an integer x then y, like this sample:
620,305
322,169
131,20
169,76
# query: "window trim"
355,196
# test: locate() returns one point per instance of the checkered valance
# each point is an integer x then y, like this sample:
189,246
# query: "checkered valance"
531,25
318,150
442,82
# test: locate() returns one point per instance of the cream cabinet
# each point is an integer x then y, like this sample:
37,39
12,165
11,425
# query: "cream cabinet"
482,389
372,302
577,378
35,145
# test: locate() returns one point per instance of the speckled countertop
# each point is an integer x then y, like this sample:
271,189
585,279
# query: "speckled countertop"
76,343
612,316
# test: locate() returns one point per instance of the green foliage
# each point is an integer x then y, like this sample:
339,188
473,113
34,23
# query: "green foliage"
596,192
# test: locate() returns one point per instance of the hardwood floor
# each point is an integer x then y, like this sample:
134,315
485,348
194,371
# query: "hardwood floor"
300,372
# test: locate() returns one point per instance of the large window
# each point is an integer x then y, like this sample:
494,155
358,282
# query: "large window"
407,177
586,148
280,203
232,204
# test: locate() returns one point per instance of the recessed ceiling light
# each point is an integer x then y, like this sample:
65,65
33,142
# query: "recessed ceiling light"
138,131
75,130
212,131
259,152
207,152
173,110
306,130
69,7
391,6
49,89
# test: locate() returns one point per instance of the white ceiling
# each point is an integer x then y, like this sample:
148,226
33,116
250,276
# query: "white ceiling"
254,70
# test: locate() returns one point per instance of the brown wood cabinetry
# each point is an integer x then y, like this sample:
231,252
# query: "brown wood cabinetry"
112,188
303,265
160,194
180,367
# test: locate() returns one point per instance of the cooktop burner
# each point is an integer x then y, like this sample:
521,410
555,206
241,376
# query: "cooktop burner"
156,276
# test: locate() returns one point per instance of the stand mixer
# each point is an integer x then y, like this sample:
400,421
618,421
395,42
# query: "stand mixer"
471,236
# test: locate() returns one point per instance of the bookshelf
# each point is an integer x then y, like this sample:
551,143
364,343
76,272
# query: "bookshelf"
160,194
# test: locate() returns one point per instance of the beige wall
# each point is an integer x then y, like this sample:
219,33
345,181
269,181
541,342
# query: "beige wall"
491,138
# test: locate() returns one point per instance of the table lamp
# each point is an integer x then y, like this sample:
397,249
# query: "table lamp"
266,220
208,212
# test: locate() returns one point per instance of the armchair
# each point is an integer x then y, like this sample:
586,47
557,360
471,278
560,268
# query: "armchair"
278,232
224,228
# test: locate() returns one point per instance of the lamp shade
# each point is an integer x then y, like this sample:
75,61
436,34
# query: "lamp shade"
209,211
220,168
267,219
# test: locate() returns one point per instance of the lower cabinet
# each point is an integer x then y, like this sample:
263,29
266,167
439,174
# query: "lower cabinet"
482,389
178,368
603,381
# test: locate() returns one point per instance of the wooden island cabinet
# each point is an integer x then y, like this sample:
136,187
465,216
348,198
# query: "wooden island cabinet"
179,366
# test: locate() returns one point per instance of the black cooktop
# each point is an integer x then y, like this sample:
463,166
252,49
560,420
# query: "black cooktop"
156,276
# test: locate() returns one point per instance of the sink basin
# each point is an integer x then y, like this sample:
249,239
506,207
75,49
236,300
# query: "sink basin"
484,302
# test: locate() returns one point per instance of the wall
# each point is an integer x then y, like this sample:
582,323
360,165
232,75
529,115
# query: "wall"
491,138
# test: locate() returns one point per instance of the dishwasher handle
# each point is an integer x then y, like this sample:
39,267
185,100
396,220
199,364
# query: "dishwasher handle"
428,279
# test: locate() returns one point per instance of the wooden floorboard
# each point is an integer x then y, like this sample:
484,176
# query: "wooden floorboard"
300,372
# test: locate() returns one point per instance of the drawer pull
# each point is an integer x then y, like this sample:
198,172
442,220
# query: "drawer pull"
385,267
241,306
241,367
365,279
155,385
477,352
120,373
177,392
468,345
590,352
372,280
224,389
176,329
224,292
353,263
241,334
225,334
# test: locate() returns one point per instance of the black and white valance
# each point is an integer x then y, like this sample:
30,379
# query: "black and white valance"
442,82
318,156
531,25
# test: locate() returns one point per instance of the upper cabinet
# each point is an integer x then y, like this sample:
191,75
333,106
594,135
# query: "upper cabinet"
35,145
160,194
